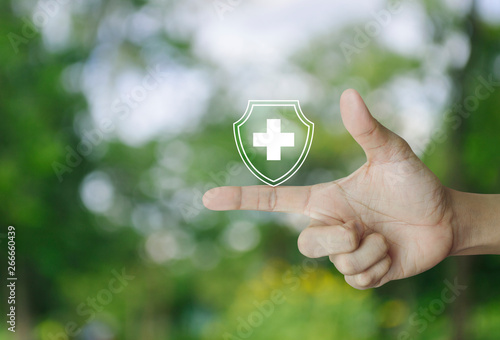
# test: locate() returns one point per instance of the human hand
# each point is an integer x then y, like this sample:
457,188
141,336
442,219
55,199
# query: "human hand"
390,219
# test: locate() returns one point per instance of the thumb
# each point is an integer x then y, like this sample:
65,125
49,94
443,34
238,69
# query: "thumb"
379,143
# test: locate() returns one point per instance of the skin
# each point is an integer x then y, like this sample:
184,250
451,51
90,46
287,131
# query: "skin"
390,219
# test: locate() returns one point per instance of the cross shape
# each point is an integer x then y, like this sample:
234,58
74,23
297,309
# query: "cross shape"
273,140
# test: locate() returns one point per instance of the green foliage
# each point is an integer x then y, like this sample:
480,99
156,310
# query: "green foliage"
203,286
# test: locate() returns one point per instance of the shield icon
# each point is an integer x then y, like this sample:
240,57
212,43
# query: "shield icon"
273,138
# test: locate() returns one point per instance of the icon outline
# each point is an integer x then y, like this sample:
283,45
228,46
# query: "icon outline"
305,151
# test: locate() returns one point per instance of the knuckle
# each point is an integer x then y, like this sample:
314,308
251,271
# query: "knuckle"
380,241
272,198
345,264
322,245
365,279
303,244
368,133
384,245
351,237
387,262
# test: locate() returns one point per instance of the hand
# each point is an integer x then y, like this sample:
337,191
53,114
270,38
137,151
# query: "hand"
390,219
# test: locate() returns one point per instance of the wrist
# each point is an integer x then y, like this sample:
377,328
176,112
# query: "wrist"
474,223
461,223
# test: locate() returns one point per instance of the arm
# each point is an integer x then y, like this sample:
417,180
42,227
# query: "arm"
476,223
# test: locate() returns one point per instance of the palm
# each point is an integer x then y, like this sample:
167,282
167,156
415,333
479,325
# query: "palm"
404,201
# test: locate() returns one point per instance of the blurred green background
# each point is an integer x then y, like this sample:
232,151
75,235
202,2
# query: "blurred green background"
115,117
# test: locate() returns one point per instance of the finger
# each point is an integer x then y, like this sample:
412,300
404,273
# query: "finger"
259,197
378,143
371,277
372,249
321,241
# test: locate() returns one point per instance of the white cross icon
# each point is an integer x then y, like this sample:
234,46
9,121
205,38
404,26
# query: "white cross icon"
273,140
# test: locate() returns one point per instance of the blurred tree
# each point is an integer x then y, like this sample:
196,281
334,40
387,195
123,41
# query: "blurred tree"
197,273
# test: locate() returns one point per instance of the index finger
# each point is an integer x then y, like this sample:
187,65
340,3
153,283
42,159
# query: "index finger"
259,197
